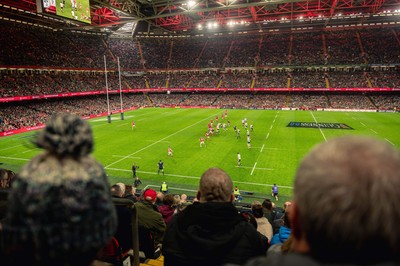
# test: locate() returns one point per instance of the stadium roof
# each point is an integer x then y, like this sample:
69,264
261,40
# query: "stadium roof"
203,17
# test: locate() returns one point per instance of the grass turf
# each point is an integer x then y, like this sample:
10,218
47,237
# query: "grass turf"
276,149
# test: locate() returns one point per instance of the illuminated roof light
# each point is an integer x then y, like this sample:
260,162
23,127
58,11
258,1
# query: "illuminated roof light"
200,27
191,3
215,25
301,17
209,25
242,22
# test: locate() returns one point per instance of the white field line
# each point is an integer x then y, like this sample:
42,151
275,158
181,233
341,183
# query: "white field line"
29,150
122,156
154,143
373,131
320,130
253,168
271,127
198,178
124,124
165,141
14,158
262,147
390,142
258,168
267,136
11,147
362,124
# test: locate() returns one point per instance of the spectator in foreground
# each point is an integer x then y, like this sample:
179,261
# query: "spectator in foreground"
59,208
345,194
212,232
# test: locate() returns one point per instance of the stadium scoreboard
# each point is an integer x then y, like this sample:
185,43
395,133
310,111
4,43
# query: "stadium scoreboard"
78,10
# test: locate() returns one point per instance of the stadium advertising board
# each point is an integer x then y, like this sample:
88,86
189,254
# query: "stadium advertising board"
78,10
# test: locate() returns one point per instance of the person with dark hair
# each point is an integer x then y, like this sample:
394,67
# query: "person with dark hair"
211,232
346,192
60,210
168,207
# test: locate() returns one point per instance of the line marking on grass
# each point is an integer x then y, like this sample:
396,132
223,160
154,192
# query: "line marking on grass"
258,168
14,158
390,142
29,150
353,118
122,156
373,131
165,141
320,130
253,168
267,136
262,148
124,124
271,126
154,143
198,178
11,147
362,124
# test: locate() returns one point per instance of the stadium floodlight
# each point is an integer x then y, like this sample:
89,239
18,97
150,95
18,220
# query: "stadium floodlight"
191,3
199,26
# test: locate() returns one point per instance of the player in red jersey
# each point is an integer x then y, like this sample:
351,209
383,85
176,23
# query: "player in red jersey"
170,152
202,142
133,125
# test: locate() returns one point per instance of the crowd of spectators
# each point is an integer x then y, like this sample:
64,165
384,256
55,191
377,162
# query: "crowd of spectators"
24,45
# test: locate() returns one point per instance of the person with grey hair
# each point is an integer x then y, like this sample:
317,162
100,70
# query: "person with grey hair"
346,193
211,232
60,210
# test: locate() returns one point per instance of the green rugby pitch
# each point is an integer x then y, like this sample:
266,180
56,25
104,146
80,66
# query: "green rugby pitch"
273,158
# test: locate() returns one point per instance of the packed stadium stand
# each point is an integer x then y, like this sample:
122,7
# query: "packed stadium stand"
43,71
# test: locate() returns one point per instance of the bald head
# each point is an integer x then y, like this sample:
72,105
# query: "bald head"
346,196
216,186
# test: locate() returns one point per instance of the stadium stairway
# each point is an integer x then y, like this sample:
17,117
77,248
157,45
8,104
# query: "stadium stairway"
151,262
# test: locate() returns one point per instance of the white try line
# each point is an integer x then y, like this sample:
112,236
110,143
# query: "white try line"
254,167
13,158
262,147
198,178
362,124
154,143
390,142
122,156
267,136
320,130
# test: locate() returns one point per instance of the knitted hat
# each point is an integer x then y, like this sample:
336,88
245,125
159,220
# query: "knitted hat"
59,206
150,195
